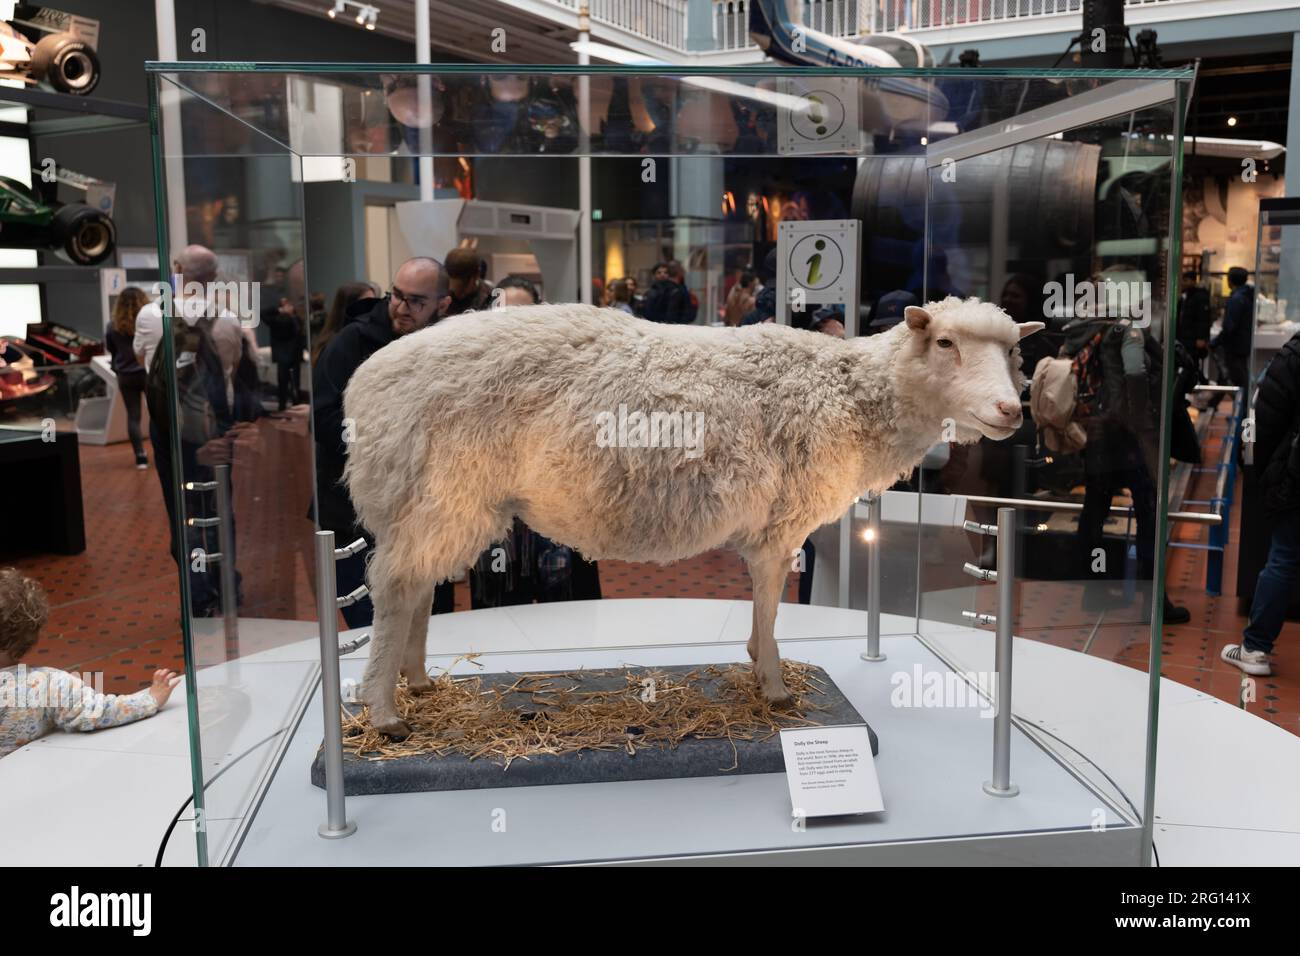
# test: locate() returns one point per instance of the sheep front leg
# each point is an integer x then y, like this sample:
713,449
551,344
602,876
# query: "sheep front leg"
767,572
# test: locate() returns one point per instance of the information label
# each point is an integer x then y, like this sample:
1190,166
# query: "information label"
830,771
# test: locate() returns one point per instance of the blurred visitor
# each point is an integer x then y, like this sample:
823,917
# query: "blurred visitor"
287,322
1233,340
516,290
205,398
620,296
1194,318
1118,400
344,297
668,300
828,320
740,299
889,309
119,339
1277,462
469,291
418,289
764,309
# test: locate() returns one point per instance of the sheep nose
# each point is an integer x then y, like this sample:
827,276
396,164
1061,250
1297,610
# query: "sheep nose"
1009,411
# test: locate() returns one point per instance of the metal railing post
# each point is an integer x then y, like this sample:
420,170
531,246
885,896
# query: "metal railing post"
337,824
1001,785
872,652
226,545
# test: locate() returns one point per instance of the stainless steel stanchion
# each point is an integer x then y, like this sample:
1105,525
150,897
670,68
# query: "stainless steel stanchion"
337,824
224,556
872,653
226,544
1001,785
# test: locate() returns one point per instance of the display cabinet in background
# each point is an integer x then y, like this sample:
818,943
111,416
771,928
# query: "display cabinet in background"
1049,193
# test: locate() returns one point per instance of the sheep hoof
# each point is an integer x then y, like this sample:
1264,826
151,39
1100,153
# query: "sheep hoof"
418,690
397,730
774,692
780,698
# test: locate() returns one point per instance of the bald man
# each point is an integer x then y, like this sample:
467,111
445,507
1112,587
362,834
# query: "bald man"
418,291
193,264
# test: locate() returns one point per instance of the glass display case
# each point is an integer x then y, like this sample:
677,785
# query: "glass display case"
1049,193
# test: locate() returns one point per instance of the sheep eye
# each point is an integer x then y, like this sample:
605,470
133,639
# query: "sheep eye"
944,343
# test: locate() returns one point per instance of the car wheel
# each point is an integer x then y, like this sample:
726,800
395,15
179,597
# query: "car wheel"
87,235
66,63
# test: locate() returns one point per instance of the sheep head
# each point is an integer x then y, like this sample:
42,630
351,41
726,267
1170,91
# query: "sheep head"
966,354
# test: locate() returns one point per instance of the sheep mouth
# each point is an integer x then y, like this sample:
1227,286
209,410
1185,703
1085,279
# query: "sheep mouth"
1000,431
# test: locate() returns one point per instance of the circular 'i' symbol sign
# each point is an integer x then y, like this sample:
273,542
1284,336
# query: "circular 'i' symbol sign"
816,262
822,118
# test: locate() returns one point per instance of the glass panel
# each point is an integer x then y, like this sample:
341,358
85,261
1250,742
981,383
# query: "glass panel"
307,183
1071,230
248,578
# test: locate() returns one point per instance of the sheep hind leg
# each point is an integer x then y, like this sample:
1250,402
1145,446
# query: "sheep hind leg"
413,668
402,573
395,604
767,571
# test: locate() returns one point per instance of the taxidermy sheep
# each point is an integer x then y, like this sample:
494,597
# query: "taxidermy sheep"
629,440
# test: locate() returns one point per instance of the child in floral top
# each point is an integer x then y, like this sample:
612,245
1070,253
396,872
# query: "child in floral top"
36,700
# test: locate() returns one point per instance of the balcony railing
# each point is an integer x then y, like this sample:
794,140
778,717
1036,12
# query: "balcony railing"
897,16
663,22
659,21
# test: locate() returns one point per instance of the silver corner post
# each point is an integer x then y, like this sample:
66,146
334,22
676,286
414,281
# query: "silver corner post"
226,544
337,824
1001,785
872,653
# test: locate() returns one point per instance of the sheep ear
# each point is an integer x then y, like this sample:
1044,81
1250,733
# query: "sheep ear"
1029,328
917,318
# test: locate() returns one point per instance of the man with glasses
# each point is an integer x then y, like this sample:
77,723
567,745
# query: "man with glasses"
418,293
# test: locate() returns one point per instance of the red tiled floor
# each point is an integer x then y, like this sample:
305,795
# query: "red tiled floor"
115,607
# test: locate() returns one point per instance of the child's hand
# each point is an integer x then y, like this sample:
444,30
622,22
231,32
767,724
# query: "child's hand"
163,682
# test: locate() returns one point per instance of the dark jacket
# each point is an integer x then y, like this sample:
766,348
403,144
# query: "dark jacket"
1277,419
361,338
477,300
1238,322
764,306
1123,423
1194,318
668,302
122,350
288,338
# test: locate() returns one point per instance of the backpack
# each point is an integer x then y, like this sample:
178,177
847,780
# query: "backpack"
1090,377
1053,403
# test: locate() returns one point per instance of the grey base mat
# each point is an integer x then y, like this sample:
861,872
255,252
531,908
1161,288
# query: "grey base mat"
693,757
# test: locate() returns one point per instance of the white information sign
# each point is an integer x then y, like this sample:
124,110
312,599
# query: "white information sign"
830,771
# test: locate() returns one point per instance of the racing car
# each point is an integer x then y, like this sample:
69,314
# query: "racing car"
39,43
